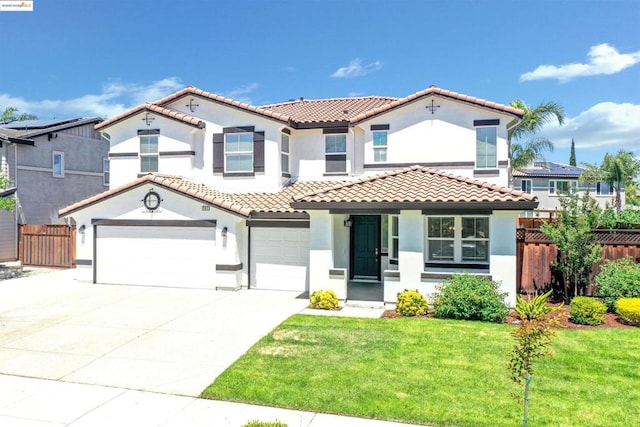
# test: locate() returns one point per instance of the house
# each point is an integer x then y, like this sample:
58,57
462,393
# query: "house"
548,181
51,163
304,195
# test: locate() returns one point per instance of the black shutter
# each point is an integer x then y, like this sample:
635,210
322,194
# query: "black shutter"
218,152
258,151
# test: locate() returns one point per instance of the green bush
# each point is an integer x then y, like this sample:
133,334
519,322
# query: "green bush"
411,303
587,311
618,279
470,297
326,300
629,310
265,424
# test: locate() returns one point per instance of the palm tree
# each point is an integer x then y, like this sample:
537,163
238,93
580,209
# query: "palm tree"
616,170
10,115
533,120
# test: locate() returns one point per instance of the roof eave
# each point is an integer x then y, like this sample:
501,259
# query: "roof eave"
429,206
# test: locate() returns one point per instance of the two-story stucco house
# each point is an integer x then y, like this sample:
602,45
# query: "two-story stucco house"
51,164
549,181
305,195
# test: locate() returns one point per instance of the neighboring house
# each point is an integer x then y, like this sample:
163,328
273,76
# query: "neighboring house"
305,195
51,163
548,181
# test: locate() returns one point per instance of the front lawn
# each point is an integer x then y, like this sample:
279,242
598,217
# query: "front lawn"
439,372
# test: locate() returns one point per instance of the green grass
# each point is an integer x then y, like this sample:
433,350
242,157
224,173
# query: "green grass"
438,372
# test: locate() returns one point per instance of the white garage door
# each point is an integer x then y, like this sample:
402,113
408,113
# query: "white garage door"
280,258
156,256
8,237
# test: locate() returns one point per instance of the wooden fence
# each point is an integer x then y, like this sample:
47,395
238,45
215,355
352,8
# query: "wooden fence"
535,253
47,245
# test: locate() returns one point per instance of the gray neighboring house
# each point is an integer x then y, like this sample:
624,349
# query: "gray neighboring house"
548,181
51,164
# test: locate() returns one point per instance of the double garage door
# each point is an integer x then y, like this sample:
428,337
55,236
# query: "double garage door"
280,258
174,256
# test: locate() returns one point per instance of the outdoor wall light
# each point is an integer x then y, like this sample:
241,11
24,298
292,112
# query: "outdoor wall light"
348,222
224,232
81,229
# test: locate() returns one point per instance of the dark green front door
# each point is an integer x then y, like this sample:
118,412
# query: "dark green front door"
365,246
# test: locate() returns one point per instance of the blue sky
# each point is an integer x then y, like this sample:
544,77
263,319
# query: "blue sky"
92,57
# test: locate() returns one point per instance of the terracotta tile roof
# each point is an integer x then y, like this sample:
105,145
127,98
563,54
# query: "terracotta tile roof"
415,184
241,203
328,110
347,110
166,112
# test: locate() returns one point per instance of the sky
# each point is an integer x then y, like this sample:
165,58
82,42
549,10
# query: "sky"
79,58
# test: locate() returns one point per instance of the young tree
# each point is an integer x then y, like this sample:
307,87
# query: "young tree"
526,150
6,203
10,114
577,249
572,156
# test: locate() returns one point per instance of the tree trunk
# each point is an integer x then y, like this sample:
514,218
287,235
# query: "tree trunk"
525,419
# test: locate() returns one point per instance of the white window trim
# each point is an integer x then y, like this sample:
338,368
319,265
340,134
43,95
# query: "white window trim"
476,147
458,241
106,171
336,153
156,154
53,164
530,181
572,183
393,237
380,147
600,184
284,153
238,152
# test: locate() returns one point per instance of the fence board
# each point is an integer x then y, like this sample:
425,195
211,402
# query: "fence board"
49,245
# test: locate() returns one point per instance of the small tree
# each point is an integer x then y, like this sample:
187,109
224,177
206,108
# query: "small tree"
572,234
572,156
533,338
6,203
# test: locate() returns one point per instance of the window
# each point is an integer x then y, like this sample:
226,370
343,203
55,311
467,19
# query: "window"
458,239
380,146
384,234
394,238
486,147
284,153
57,164
238,152
106,172
559,186
148,153
604,189
526,186
335,153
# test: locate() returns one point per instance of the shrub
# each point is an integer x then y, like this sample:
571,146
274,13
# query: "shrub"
411,303
629,310
470,297
264,424
587,311
326,300
536,308
618,279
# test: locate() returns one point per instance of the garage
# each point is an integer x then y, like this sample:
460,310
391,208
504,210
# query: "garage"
155,253
280,258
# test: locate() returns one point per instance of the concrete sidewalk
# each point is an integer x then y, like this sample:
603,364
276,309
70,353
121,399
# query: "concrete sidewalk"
30,402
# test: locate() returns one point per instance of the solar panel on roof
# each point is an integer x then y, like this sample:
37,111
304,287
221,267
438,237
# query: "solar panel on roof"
36,124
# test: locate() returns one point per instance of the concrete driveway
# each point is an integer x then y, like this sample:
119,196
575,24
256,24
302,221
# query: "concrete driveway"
165,340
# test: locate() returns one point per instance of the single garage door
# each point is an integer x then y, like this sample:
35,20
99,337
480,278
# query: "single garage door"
156,256
280,258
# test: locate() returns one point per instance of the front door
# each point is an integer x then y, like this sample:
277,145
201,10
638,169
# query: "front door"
365,246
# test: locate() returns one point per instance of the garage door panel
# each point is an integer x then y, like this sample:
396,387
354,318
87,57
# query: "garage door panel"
156,256
280,258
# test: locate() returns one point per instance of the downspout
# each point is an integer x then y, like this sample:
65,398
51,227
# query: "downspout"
249,255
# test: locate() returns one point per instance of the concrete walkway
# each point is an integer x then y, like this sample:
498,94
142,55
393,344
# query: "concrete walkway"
77,354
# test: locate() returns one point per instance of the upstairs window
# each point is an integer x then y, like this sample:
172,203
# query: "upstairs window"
604,189
57,164
526,186
106,173
335,153
238,152
562,186
380,146
284,153
486,147
148,153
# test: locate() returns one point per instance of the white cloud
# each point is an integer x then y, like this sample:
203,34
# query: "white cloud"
603,59
241,93
607,126
114,98
356,69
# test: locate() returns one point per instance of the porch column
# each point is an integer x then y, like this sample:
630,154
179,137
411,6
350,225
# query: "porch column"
320,250
502,252
410,248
